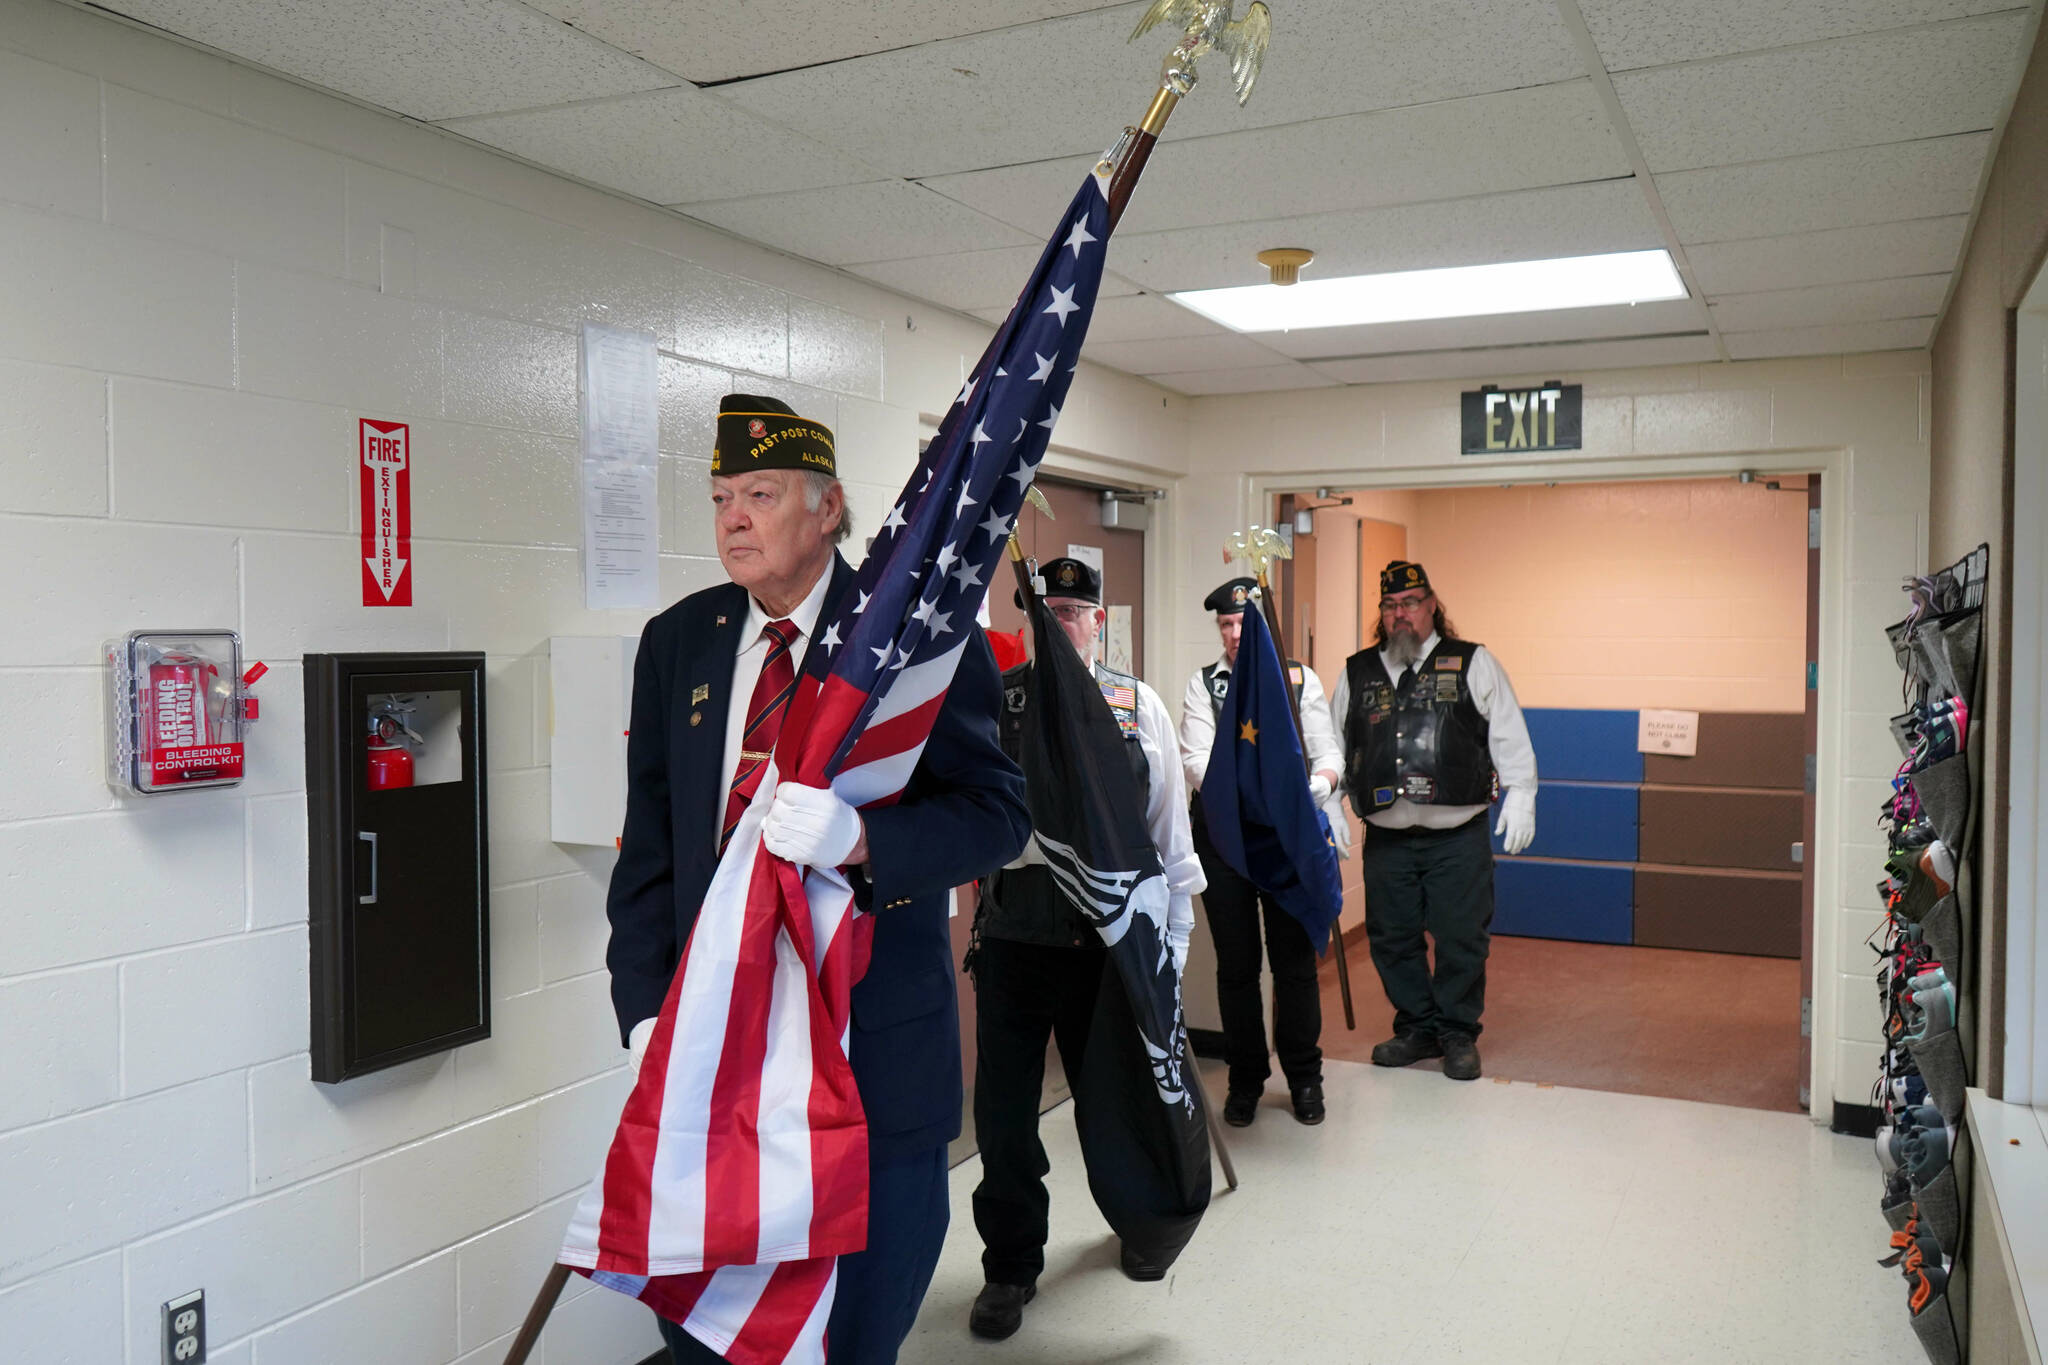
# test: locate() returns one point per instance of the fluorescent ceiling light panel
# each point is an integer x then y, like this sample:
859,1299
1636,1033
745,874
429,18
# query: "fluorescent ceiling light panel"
1456,292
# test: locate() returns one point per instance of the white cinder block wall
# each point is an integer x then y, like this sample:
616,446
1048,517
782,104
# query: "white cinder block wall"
207,275
1863,419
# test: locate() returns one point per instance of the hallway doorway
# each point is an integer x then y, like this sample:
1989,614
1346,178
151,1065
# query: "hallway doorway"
1657,938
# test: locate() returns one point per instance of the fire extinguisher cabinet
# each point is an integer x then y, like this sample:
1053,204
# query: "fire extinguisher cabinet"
399,858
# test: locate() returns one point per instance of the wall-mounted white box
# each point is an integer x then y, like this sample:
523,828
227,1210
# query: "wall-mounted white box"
592,704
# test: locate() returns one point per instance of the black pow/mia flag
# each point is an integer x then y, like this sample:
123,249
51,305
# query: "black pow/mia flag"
1140,1123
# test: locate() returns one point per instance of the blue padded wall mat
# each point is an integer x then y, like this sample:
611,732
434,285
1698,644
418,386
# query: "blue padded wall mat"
1584,746
1590,902
1573,820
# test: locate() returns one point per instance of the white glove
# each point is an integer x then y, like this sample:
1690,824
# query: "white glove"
1318,788
1340,829
1180,926
636,1043
1517,827
811,826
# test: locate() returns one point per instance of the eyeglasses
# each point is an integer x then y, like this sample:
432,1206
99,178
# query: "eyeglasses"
1413,606
1072,611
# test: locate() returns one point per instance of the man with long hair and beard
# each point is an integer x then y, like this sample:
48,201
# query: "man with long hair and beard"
1432,733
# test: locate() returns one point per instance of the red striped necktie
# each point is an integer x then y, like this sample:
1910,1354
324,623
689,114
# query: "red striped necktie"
764,722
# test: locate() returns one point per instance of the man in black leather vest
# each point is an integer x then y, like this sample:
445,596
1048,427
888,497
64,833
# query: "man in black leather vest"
1235,908
1432,733
1038,967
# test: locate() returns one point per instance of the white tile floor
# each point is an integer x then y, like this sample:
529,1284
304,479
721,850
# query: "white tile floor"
1428,1221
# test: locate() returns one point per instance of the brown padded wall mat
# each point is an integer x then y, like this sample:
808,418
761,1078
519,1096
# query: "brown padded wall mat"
1739,749
1718,912
1720,829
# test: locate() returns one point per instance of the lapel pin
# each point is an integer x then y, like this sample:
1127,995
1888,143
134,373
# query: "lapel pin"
700,693
721,620
696,716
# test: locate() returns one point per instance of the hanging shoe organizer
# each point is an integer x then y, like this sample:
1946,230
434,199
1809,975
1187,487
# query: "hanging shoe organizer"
1923,975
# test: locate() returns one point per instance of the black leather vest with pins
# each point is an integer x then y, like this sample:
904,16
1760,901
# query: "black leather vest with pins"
1424,740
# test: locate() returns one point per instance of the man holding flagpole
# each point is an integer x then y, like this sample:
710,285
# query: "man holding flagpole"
1040,961
1235,906
712,684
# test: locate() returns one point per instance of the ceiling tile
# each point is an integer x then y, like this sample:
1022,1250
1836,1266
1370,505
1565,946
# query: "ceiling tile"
1562,361
1898,334
1882,251
1501,329
1852,92
670,147
1522,139
712,43
1136,317
1924,179
877,221
1262,379
430,59
1635,33
1571,220
1181,353
970,280
1868,301
1064,87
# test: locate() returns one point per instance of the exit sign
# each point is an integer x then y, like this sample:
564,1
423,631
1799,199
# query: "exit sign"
1505,421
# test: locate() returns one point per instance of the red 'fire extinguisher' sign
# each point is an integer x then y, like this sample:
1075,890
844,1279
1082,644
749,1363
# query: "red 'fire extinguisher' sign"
386,477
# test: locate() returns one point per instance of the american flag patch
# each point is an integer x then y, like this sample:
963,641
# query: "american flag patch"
1116,694
1450,663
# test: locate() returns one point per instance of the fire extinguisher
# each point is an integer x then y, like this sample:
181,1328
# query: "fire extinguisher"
390,760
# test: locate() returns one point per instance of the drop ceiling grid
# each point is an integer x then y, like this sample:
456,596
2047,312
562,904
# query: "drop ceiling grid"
1522,139
667,146
1882,87
1816,159
428,59
876,221
703,42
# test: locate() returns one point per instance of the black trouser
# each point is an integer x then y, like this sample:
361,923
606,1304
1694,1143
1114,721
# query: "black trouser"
1024,993
1439,882
1234,908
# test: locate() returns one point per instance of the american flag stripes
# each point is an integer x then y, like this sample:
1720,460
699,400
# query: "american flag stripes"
739,1170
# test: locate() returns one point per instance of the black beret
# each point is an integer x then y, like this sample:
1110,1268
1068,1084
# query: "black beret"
765,433
1400,576
1230,598
1070,578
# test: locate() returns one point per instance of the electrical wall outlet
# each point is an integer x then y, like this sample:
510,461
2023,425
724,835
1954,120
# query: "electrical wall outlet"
185,1329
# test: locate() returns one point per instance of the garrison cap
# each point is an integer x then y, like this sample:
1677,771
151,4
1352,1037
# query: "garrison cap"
1400,575
1070,578
765,433
1230,598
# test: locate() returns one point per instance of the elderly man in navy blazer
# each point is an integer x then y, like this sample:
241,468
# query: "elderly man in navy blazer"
713,675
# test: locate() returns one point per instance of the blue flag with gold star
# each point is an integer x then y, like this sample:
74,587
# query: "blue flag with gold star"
1255,794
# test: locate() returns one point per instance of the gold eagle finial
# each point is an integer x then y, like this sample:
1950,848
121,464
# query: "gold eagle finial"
1209,28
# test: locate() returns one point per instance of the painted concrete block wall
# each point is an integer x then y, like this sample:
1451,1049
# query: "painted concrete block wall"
206,276
1862,419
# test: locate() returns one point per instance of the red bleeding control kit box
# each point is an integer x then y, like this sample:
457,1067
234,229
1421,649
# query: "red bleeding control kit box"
179,703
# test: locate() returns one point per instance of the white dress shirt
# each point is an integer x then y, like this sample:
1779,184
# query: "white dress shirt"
746,671
1507,741
1166,800
1198,727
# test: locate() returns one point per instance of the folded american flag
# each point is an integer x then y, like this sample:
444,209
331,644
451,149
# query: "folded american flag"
739,1171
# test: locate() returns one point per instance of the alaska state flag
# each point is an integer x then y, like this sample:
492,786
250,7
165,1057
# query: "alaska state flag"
1255,795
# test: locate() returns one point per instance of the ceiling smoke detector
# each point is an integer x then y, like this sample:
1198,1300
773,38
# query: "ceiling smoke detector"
1283,263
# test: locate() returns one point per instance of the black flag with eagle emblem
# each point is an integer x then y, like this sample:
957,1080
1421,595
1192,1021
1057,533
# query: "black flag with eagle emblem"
1139,1120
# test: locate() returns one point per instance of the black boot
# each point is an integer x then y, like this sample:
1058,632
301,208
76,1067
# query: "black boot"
1406,1049
1461,1055
1240,1107
999,1310
1137,1267
1308,1102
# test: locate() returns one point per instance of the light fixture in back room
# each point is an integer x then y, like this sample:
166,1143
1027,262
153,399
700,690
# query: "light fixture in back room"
1623,277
